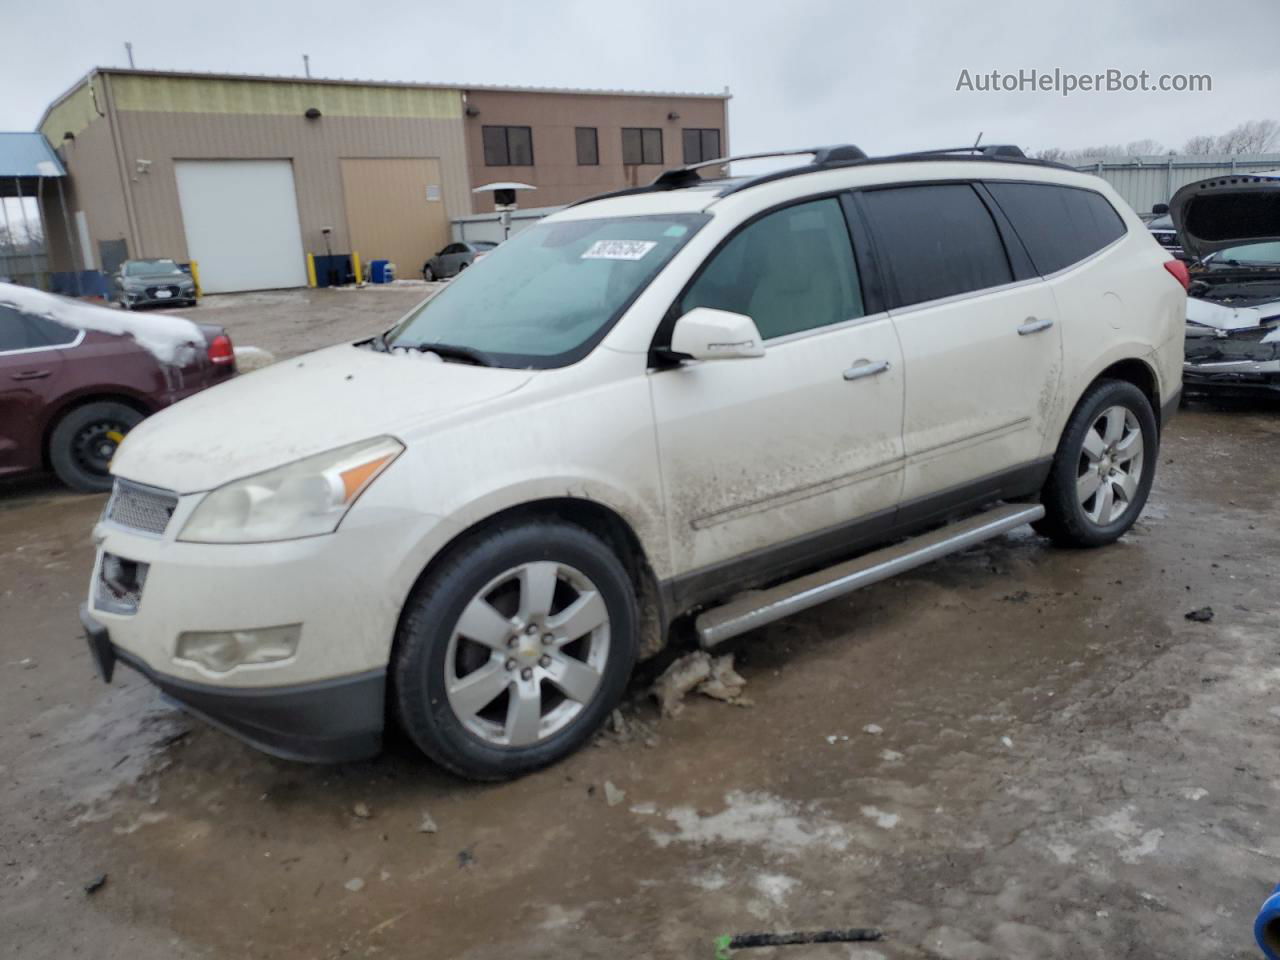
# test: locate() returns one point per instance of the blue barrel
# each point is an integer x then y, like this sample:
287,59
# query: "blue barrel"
1266,929
380,271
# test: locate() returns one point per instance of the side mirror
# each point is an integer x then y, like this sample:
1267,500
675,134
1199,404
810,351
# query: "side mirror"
1159,209
707,334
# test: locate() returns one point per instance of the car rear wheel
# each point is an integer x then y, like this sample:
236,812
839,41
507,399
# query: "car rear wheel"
84,441
513,652
1102,472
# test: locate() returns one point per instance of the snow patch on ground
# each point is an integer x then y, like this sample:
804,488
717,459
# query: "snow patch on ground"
775,887
883,820
758,820
170,339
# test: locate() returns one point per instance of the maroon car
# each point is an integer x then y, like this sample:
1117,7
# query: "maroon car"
75,378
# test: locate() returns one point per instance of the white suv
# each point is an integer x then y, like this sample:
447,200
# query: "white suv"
647,407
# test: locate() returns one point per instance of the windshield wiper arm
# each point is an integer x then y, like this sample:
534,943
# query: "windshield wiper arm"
449,351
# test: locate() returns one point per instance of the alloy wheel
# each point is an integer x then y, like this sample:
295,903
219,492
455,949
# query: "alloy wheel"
527,654
1110,467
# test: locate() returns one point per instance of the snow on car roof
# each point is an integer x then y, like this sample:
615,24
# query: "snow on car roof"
169,339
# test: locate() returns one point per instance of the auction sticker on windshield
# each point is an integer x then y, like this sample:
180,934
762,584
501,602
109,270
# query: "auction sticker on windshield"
618,249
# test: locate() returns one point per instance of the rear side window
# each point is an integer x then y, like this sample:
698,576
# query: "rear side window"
789,271
936,240
1059,225
21,331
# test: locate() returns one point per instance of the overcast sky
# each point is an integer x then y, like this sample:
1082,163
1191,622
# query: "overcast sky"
882,75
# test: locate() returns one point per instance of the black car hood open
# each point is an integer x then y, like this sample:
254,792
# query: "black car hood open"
1227,211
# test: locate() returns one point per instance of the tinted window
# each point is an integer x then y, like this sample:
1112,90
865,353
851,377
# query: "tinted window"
641,145
700,145
507,146
588,146
788,271
936,241
1059,225
20,331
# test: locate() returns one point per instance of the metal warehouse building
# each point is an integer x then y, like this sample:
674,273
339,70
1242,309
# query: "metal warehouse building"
247,175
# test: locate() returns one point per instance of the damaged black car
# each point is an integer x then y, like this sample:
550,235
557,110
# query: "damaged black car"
1231,226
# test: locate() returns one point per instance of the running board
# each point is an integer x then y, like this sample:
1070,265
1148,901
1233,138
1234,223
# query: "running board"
759,607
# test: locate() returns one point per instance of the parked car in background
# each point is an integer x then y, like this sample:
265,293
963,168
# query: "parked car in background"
1166,235
455,258
76,378
704,399
152,283
1233,312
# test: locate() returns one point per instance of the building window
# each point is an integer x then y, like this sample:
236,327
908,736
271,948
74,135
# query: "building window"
701,145
507,146
641,145
588,146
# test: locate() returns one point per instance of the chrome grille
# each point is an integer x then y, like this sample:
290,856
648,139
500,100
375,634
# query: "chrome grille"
141,508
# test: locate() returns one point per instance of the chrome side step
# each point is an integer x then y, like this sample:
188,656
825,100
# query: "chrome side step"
755,609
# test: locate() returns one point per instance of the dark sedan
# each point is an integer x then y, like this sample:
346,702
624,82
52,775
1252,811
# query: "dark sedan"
152,283
74,379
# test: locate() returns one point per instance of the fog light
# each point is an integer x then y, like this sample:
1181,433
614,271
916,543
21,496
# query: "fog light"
221,650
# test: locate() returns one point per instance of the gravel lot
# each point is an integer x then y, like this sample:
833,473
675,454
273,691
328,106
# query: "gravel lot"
1016,752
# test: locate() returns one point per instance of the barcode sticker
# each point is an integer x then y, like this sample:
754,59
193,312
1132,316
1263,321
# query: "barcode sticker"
618,249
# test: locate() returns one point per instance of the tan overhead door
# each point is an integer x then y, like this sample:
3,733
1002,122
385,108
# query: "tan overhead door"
395,210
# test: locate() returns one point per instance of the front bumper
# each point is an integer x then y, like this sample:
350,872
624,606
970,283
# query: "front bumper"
151,297
329,721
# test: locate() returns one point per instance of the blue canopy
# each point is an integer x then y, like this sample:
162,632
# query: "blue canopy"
28,155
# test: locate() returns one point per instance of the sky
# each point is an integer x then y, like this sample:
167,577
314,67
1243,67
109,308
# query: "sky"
804,72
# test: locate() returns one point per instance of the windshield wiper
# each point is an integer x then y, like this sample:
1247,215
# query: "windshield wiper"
449,351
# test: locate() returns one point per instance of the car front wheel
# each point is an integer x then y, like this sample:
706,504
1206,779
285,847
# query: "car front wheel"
1103,469
512,653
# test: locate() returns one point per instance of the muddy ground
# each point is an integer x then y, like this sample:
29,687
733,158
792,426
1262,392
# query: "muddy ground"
1018,752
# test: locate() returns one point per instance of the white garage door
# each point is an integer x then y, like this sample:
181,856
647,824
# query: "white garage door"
241,220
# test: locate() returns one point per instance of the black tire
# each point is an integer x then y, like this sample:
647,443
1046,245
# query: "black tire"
428,274
462,266
82,444
418,667
1066,521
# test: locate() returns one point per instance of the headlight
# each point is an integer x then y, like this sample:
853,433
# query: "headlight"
300,499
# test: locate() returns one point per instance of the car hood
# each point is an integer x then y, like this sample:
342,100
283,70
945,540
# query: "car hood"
1227,211
300,407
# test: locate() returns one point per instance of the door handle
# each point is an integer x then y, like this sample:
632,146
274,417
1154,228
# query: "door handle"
30,375
864,368
1034,325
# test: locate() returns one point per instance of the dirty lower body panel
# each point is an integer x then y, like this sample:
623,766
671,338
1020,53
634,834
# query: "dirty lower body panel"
329,721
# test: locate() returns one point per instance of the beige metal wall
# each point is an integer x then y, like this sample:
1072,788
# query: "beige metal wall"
94,183
123,162
390,211
552,118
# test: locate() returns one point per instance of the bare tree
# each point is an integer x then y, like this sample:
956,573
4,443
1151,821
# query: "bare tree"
1253,136
1052,154
1143,148
1201,145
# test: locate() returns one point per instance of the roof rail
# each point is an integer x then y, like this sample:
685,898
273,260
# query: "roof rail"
685,176
990,150
824,158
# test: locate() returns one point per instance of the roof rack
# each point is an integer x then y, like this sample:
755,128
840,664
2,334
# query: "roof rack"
824,158
677,178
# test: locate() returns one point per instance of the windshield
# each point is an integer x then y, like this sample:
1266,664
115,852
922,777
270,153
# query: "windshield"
1265,253
549,294
150,268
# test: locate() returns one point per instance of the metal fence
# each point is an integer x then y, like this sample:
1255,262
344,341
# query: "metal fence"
1146,181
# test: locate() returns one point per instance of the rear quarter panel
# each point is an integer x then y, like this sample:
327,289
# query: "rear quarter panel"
1120,304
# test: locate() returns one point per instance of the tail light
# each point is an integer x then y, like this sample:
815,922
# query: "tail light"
1178,270
221,352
